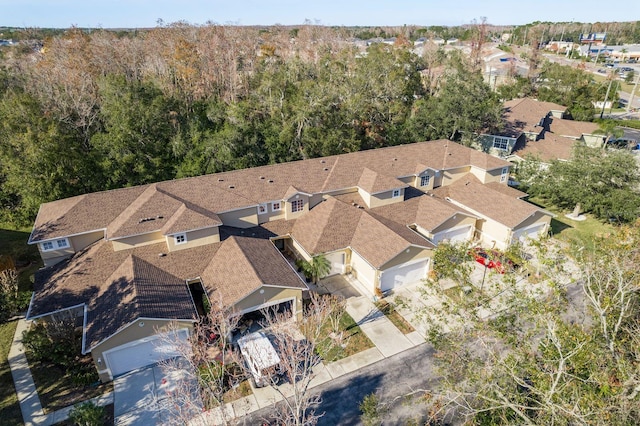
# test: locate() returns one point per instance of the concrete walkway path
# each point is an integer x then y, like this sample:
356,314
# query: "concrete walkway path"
32,412
379,329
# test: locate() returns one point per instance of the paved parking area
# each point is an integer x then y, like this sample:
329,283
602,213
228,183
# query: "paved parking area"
337,284
151,396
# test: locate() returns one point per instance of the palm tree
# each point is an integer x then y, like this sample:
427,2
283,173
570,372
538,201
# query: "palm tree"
318,268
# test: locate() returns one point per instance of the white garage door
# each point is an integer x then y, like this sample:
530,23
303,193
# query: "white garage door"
143,352
453,235
403,274
337,262
533,232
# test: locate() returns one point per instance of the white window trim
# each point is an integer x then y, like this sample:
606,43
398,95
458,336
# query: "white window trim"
57,244
294,203
262,209
498,143
273,206
422,180
177,236
396,193
504,174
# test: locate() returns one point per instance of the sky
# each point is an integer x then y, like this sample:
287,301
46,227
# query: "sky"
146,13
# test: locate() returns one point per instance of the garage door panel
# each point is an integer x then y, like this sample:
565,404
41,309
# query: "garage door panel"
453,235
405,274
533,233
337,261
143,352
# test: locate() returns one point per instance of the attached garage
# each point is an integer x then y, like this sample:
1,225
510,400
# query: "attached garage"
363,271
403,274
453,235
337,260
532,232
143,352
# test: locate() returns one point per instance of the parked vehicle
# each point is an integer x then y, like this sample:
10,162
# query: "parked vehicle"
622,143
493,259
261,358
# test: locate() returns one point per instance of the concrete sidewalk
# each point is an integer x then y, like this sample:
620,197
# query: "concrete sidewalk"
32,412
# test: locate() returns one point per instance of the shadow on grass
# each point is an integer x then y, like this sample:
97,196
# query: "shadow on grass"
10,413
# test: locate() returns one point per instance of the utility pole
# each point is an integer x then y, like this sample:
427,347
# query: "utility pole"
606,96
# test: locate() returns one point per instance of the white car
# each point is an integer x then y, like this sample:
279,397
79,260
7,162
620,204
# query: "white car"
261,358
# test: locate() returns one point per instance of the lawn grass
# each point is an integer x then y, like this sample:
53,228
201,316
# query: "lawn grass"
56,388
398,320
354,340
243,389
10,413
572,231
13,246
108,419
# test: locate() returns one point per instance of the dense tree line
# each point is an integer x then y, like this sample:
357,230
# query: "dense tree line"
95,111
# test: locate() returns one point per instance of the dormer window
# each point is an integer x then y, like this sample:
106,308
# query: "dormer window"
297,206
180,238
395,193
276,206
262,208
424,180
501,143
61,243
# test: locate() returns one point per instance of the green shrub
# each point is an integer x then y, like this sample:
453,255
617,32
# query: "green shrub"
87,414
370,408
53,341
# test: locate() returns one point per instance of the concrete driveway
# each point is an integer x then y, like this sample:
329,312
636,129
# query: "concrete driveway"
151,396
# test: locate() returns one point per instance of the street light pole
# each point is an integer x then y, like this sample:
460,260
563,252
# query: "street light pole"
633,92
606,96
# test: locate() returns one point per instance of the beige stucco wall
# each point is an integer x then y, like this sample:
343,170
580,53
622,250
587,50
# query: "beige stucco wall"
78,242
414,253
296,249
196,238
129,334
417,179
290,214
243,218
496,175
137,241
594,141
384,198
271,295
366,197
271,215
364,272
457,221
537,218
452,175
490,231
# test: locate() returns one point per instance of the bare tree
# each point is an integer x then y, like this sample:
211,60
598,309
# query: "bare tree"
207,366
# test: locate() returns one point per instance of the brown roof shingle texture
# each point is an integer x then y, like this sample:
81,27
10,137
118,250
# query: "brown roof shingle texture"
425,211
122,210
334,225
524,115
551,147
136,289
571,128
374,183
242,265
493,204
120,286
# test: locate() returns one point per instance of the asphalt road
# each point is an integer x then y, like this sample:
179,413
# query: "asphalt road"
389,378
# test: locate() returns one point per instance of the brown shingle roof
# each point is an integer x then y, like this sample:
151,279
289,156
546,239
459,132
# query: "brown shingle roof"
425,211
334,225
136,289
551,147
571,128
121,210
374,183
506,189
524,115
487,202
242,265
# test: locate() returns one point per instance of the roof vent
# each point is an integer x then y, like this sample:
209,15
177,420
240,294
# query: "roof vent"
395,159
326,169
148,219
270,181
231,187
159,217
220,180
262,177
323,161
162,254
